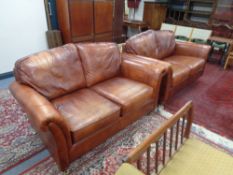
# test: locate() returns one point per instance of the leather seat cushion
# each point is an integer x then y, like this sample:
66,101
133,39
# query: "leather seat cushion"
195,64
131,95
86,112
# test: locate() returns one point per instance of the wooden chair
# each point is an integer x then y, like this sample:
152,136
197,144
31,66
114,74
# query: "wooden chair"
170,27
183,33
228,60
170,151
200,36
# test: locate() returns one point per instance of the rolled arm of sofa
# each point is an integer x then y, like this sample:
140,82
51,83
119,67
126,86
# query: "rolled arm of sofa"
142,70
47,121
192,49
41,111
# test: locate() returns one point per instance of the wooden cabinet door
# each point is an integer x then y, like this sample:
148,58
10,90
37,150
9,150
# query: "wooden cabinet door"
154,14
118,21
103,14
81,20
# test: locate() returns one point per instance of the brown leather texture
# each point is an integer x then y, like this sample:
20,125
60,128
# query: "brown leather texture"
195,64
86,112
180,73
101,61
187,60
47,71
192,50
129,94
154,44
155,73
72,118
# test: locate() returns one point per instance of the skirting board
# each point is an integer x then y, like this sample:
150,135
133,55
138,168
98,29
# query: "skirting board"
6,75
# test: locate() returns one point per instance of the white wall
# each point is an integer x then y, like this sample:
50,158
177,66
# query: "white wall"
22,30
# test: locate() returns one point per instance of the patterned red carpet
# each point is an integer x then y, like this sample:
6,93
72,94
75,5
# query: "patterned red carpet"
212,95
18,142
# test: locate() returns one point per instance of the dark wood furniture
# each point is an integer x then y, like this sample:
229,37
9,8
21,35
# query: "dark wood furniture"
222,21
228,60
194,13
139,25
154,14
229,43
90,20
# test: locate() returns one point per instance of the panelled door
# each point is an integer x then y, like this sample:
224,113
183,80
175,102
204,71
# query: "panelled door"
81,20
103,14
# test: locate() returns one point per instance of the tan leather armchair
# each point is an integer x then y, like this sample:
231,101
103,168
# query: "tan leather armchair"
78,95
186,60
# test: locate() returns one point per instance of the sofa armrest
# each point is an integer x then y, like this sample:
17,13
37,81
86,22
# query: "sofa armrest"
47,121
145,70
41,111
192,49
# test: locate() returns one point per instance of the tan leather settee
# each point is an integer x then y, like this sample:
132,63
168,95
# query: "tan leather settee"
77,96
186,60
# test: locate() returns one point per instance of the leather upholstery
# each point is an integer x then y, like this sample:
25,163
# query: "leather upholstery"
159,44
129,94
180,73
148,71
86,112
79,95
42,71
195,64
100,61
187,60
192,49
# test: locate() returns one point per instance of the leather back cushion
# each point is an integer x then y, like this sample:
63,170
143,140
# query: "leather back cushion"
101,61
154,44
52,73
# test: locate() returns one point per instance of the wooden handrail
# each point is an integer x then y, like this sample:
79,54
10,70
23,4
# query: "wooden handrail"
186,112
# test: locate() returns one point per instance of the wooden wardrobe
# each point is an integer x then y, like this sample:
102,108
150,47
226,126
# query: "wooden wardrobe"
90,20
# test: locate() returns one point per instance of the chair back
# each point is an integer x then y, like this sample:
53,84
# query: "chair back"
183,33
170,27
201,34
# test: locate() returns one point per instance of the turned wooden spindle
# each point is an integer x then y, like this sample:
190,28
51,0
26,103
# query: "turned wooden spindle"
139,164
156,156
182,130
164,146
177,134
171,141
148,161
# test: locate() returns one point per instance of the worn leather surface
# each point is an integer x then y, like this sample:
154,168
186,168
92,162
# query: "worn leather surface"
155,73
155,44
194,63
86,112
192,50
129,94
180,74
52,72
39,108
101,61
187,59
71,119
